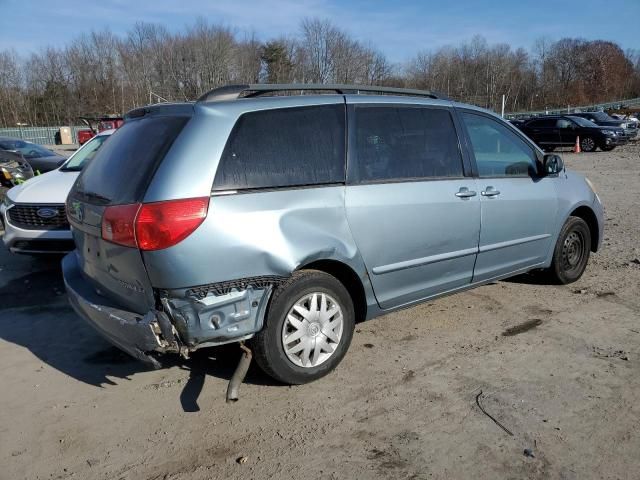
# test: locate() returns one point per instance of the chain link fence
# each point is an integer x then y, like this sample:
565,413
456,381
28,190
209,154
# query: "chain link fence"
39,135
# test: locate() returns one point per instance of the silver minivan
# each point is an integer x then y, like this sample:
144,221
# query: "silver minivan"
283,220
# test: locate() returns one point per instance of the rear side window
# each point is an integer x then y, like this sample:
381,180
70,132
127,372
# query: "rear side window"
400,143
544,123
121,170
284,148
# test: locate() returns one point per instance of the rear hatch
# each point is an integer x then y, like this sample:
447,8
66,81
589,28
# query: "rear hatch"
119,174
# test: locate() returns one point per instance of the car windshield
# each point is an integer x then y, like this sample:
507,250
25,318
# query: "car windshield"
84,154
27,149
583,122
601,116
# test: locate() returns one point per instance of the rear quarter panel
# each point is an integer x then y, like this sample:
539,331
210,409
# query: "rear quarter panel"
261,233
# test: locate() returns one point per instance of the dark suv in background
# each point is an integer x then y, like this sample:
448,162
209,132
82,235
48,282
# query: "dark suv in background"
552,131
603,120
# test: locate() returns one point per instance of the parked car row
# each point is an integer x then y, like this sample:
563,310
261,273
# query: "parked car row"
552,131
602,119
41,159
33,213
14,169
594,129
284,220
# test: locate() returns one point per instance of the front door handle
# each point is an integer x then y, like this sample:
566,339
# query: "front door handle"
464,192
490,192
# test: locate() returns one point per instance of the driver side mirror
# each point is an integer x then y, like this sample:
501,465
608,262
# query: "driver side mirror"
553,164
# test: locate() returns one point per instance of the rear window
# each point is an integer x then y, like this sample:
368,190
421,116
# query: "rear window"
284,148
121,170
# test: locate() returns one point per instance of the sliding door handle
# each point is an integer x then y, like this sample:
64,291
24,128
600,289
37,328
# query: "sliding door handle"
490,192
464,192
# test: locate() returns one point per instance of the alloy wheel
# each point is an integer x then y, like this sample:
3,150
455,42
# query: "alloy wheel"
587,144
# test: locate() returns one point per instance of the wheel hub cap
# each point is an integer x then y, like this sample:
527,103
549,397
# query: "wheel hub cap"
312,330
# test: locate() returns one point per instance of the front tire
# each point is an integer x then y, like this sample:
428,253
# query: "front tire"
571,253
308,328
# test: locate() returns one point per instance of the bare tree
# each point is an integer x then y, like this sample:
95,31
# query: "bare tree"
100,72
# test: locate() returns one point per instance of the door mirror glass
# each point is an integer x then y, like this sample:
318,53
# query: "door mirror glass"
553,164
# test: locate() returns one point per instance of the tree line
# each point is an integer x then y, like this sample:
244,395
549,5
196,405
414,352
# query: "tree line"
103,73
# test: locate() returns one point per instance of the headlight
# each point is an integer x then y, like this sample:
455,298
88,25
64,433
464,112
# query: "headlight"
6,202
609,133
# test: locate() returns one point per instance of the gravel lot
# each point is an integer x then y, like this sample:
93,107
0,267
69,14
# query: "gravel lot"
401,405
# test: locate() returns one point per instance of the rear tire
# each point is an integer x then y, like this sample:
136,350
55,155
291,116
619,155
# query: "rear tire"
587,144
571,253
292,346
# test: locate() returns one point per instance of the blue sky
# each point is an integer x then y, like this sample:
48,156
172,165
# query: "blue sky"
397,28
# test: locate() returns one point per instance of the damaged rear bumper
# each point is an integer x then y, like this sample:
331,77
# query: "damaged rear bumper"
190,318
134,333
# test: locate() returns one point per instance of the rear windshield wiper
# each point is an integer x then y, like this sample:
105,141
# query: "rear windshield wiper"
71,169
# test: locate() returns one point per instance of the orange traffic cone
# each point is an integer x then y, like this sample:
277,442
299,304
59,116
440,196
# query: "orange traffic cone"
576,147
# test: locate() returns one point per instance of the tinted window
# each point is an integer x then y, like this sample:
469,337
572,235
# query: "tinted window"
583,122
283,148
564,123
499,152
122,168
395,143
542,123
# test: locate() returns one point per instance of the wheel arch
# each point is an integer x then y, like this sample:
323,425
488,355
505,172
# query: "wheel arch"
588,215
348,277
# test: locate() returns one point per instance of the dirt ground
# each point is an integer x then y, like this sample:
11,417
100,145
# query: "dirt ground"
401,405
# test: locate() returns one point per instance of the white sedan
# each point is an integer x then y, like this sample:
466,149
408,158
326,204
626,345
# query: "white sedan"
33,213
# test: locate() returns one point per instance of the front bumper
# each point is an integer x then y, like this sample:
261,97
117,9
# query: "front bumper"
136,334
631,132
19,240
616,141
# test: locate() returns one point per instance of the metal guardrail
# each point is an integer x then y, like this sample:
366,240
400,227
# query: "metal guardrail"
39,135
618,104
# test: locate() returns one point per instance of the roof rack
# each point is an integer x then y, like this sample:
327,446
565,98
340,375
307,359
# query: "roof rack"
233,92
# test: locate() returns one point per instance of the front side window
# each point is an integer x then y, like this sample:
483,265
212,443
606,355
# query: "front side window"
399,143
564,123
499,152
284,148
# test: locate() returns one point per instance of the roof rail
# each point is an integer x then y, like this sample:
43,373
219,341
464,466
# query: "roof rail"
232,92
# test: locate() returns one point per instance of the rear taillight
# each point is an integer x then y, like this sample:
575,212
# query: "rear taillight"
163,224
118,224
153,226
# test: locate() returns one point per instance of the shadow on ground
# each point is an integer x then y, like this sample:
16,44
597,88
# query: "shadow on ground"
35,314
